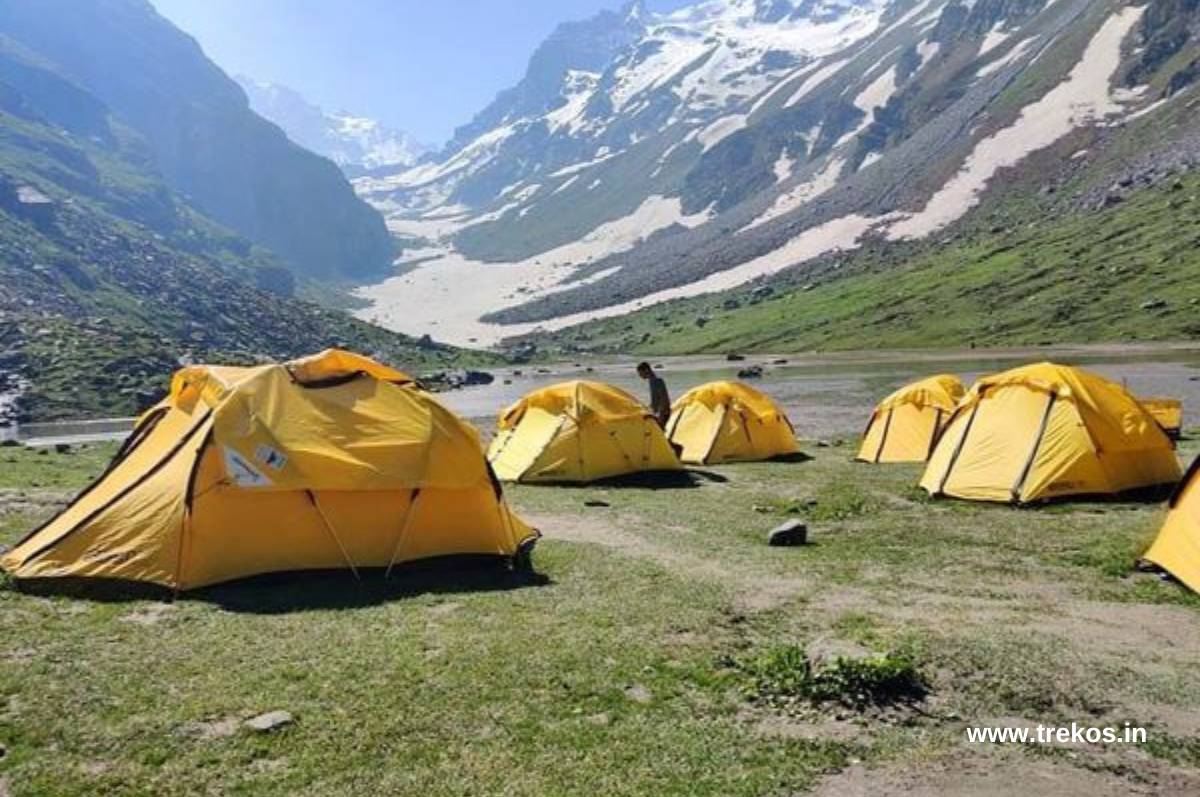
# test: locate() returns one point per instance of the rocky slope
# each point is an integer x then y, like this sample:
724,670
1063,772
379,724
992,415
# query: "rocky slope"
110,278
356,144
730,142
200,135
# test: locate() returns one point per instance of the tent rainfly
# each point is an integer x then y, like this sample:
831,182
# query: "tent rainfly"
906,425
1169,414
333,461
1048,431
730,422
1177,549
578,432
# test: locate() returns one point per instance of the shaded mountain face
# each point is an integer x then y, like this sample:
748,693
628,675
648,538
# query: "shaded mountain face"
201,135
729,142
110,278
358,145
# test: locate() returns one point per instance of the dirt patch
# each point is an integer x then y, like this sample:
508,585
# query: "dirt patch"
150,615
32,502
997,776
751,593
212,729
820,728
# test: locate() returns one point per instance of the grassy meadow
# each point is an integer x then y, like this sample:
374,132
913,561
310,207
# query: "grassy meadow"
661,649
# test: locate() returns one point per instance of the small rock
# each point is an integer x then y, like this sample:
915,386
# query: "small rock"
271,721
789,535
734,358
753,372
1154,304
596,504
639,694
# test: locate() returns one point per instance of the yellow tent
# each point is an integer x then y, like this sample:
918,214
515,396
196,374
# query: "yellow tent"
1169,414
906,425
730,422
1177,549
578,432
328,462
1048,431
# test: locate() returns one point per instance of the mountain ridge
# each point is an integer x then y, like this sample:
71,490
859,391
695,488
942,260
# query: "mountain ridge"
357,144
201,136
839,122
113,278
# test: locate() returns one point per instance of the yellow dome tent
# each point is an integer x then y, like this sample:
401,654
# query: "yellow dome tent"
906,425
1048,431
1177,549
730,422
1169,414
329,462
578,432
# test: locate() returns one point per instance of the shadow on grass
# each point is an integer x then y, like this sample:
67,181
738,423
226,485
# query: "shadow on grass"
655,480
283,593
797,458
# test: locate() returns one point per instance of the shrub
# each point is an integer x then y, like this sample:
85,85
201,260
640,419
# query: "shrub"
786,672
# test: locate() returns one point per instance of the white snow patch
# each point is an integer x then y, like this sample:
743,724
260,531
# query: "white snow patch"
838,235
814,80
926,50
721,129
1018,50
994,38
601,157
431,299
783,166
1084,97
872,98
802,194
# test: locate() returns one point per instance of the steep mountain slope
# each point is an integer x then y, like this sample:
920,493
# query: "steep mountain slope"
201,135
356,144
736,140
109,279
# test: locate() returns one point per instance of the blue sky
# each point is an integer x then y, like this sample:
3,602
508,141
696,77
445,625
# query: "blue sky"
425,66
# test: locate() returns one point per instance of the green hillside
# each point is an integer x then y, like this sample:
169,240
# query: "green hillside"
111,279
1122,273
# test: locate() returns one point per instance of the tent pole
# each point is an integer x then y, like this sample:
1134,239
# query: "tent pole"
936,436
412,505
1019,487
962,441
329,527
887,427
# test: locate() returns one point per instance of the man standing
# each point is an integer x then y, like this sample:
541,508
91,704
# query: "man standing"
660,400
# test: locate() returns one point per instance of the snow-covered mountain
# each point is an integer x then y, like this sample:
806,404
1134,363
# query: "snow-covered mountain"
354,143
646,157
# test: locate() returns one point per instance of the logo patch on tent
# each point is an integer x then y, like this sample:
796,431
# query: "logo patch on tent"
242,472
273,458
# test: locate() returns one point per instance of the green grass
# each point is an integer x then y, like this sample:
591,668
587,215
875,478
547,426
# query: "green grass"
1137,264
622,669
